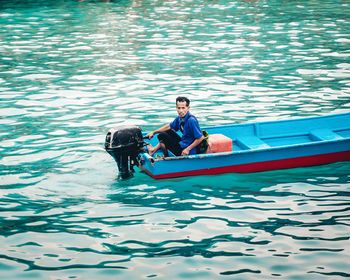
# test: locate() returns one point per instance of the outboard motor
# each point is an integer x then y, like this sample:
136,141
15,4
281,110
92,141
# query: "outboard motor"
124,144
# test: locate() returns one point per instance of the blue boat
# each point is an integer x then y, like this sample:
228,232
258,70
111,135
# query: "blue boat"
256,147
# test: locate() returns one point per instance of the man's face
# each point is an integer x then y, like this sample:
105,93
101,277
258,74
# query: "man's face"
182,109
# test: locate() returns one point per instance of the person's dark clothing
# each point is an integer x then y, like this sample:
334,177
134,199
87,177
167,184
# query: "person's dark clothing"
171,140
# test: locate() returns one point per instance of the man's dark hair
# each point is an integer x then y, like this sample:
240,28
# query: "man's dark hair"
183,99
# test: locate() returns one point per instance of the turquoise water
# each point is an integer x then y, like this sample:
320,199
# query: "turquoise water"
70,70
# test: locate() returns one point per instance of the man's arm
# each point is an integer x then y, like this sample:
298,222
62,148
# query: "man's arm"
161,129
194,144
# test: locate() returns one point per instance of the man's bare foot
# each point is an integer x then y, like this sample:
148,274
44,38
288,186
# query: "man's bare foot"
151,150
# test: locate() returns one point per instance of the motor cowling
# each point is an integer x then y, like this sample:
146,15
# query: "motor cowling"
124,143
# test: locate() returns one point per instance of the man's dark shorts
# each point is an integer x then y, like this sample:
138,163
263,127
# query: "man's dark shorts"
171,141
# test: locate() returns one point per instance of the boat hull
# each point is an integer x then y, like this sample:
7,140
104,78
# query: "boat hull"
270,165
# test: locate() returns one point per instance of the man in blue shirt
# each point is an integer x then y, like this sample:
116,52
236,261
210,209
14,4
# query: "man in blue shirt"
168,138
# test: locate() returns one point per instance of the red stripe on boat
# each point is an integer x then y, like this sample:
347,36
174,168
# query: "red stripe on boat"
262,166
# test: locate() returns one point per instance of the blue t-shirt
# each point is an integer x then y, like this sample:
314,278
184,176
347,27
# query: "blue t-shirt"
191,130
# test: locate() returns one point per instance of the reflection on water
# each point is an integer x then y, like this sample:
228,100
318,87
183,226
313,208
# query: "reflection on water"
70,70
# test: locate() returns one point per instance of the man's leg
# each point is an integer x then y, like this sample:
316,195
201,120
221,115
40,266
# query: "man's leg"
169,140
152,150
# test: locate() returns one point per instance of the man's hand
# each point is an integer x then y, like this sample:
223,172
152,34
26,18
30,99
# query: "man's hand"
185,152
150,135
162,129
